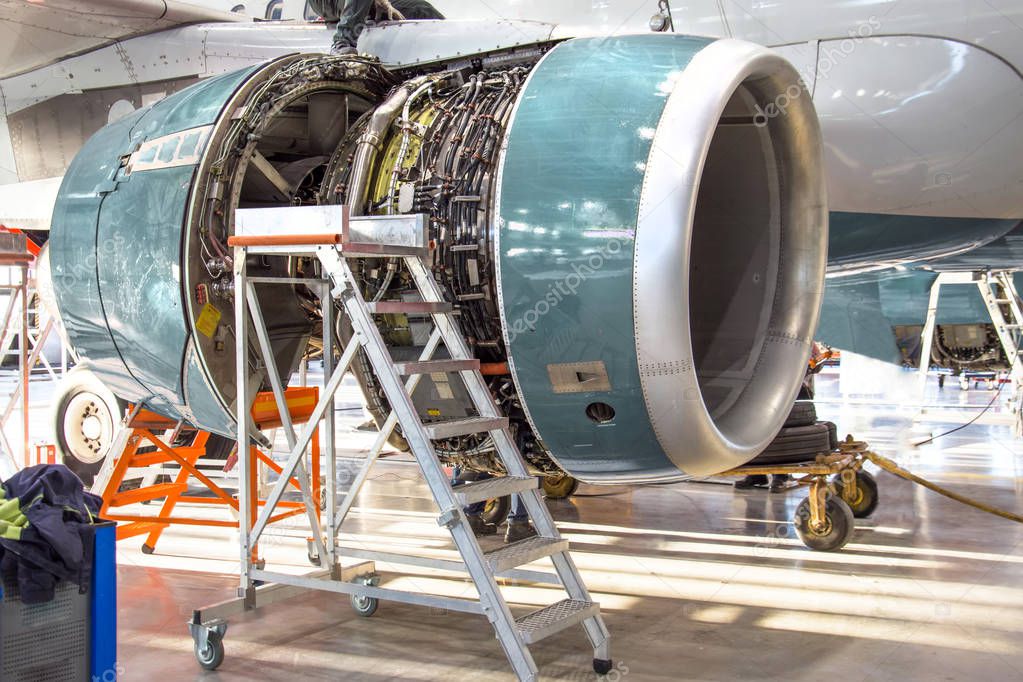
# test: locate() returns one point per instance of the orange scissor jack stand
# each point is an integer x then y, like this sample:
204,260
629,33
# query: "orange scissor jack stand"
185,448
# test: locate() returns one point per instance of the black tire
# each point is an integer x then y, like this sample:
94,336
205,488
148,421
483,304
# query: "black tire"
559,487
365,606
803,413
212,655
867,498
496,510
839,526
601,666
832,435
83,418
797,444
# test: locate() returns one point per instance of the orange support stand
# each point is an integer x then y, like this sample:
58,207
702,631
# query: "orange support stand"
146,448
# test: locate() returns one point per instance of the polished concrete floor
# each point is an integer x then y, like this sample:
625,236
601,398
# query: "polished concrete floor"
696,581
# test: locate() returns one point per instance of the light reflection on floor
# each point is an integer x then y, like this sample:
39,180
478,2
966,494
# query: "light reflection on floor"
697,581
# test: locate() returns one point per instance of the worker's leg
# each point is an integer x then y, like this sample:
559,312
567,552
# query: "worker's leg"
519,527
350,23
416,9
474,511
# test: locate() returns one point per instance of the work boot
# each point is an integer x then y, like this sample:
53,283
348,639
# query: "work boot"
518,530
779,483
751,481
479,526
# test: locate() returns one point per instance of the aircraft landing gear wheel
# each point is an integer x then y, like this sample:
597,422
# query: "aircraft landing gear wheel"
602,667
864,499
84,416
835,530
559,487
366,606
208,644
496,510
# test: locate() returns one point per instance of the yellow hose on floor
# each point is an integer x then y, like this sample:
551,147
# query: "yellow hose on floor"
893,468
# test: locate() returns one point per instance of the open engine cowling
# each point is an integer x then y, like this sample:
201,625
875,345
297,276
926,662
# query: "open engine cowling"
633,227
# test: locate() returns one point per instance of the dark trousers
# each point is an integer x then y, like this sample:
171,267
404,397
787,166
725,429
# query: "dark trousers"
352,16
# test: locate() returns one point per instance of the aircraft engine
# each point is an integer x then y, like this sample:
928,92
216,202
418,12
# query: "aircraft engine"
633,229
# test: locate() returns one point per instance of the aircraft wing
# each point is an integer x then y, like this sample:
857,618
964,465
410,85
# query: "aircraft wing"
34,33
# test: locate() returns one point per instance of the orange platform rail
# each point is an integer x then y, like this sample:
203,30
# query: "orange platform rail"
146,448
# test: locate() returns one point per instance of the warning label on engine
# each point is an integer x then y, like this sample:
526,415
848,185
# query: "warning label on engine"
208,320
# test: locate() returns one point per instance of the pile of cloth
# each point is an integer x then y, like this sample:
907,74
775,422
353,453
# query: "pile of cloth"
47,529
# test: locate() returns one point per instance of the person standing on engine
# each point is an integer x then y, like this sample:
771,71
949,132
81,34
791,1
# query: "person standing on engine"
352,16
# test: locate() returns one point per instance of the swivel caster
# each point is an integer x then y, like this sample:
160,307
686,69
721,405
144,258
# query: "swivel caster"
208,644
366,606
602,667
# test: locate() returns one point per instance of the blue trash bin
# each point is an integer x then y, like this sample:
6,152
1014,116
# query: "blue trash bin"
72,638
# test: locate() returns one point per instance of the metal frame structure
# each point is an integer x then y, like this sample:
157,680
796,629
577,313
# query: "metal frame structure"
402,237
182,464
1003,305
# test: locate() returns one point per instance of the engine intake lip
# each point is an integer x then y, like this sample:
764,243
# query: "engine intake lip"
700,431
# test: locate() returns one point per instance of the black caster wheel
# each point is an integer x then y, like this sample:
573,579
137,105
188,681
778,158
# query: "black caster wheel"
210,655
311,553
366,606
866,499
146,549
602,667
836,530
559,487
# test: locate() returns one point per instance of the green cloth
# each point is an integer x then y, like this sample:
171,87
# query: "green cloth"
12,521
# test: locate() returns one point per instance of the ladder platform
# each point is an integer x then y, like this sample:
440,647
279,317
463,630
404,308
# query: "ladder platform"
524,552
429,366
152,492
552,619
464,427
478,491
371,250
409,307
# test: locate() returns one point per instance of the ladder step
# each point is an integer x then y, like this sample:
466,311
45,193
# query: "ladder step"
463,427
408,307
429,366
152,492
552,619
477,491
371,250
523,552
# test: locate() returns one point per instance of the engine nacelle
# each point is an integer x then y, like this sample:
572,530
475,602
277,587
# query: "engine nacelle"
634,229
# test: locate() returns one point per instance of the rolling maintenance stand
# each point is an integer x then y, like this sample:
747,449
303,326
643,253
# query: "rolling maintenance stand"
326,234
1004,306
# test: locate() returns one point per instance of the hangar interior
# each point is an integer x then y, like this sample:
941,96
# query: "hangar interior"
498,349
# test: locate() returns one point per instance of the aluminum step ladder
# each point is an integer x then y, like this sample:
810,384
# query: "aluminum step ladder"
1003,305
328,235
515,635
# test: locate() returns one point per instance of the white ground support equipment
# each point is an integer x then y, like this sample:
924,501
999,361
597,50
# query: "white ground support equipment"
328,235
1003,305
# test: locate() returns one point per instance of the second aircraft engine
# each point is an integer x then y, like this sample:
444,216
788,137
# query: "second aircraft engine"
633,230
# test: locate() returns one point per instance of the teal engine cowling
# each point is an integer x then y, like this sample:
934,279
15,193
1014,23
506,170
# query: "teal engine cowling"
635,229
